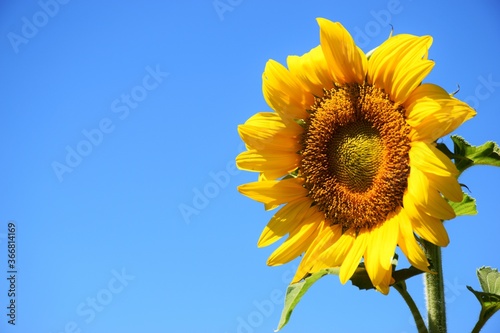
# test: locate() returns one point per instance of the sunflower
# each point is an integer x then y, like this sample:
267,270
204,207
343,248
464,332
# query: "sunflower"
349,155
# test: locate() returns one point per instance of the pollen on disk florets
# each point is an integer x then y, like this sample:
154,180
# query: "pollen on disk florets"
355,158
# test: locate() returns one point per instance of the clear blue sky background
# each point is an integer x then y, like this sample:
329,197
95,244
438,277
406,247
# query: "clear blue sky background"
149,95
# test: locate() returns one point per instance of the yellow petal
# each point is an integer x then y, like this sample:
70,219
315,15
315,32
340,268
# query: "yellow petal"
432,113
385,282
335,255
284,221
448,186
275,163
426,156
399,65
428,227
441,118
409,245
427,199
298,241
408,80
384,289
284,92
383,60
312,71
424,92
325,239
264,177
380,252
383,240
353,257
274,192
261,139
346,61
271,121
432,230
379,275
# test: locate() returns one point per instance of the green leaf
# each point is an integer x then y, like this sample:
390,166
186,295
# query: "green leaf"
465,207
444,148
489,278
295,291
489,298
359,279
466,155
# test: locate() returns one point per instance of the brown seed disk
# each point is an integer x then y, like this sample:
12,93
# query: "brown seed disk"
355,158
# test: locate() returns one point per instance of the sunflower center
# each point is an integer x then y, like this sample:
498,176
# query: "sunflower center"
355,160
355,155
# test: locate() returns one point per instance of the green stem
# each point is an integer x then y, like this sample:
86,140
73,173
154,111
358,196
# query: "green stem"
486,313
434,287
401,288
478,326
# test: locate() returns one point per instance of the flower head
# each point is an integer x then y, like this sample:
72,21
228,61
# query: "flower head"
350,153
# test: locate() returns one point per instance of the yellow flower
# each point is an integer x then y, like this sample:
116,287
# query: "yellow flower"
350,153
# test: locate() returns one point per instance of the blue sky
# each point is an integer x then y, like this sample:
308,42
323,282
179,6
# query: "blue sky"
115,118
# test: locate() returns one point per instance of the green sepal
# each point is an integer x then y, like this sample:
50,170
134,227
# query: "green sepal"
445,150
465,207
489,298
361,279
301,122
466,155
